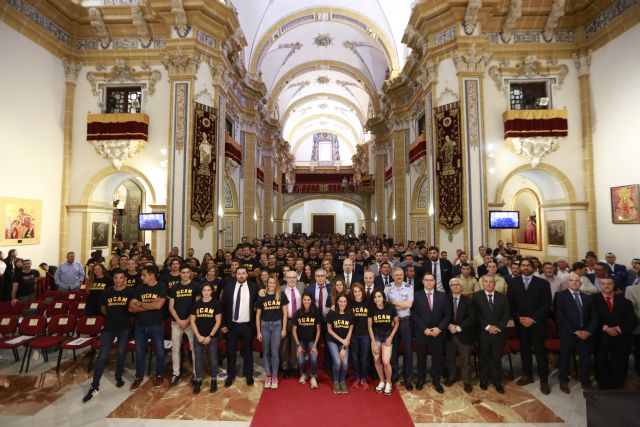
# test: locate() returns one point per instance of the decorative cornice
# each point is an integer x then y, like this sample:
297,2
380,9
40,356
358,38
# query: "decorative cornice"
121,72
471,16
429,75
557,12
179,17
415,40
97,22
71,69
515,12
141,25
582,61
471,61
529,67
179,64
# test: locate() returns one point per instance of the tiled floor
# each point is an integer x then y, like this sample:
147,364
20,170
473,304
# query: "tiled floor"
43,398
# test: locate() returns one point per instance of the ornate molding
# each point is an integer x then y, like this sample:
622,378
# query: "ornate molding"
528,67
97,22
118,152
121,72
293,47
415,40
471,60
533,149
179,64
471,16
179,18
71,69
323,40
142,28
582,61
515,12
429,75
447,92
557,12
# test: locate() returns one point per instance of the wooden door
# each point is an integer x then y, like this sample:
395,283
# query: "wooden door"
324,224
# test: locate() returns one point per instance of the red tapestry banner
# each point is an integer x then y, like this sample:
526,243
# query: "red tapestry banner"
532,123
449,165
203,166
232,150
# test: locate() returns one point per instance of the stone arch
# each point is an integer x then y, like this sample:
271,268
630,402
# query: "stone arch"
547,170
288,206
125,172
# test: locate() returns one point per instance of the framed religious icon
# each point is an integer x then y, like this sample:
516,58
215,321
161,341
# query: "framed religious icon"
349,228
556,233
22,221
527,236
99,235
624,204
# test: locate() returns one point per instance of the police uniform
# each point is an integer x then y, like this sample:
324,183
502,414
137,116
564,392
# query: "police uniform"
405,331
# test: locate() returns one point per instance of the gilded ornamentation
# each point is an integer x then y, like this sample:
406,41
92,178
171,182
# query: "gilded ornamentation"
556,13
515,12
179,18
472,105
471,60
582,62
529,67
227,231
423,194
299,85
422,231
323,80
179,64
71,69
97,22
141,25
121,72
323,40
293,47
228,196
445,36
118,152
471,16
180,111
415,40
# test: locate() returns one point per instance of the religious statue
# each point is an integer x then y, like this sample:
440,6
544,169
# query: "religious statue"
205,149
448,150
530,232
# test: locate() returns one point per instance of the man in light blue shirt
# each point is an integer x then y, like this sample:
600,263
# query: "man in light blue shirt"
70,274
400,294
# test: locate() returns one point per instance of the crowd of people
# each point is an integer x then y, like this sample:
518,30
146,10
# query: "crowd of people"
362,303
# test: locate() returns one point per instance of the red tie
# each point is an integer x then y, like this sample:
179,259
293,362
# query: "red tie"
320,304
429,299
610,304
293,303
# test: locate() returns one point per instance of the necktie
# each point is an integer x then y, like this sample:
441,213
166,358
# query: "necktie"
576,297
386,280
491,301
236,311
610,304
294,306
526,283
429,299
434,271
348,280
368,292
455,306
410,281
320,299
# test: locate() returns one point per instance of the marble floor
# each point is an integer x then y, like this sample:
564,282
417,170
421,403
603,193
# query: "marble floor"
44,398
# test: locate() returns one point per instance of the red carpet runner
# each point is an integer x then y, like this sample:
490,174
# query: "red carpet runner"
296,404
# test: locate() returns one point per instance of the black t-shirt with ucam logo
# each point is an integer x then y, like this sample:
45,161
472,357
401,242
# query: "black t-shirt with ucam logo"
146,293
116,304
205,314
183,297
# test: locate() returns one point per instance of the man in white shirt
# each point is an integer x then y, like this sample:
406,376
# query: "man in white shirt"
563,269
555,282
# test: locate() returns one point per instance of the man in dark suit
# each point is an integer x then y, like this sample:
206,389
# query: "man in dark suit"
577,320
492,314
617,321
320,291
460,336
484,267
238,323
530,302
384,279
431,314
348,275
618,271
370,284
441,269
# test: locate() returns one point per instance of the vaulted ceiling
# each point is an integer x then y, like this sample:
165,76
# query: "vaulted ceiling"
324,63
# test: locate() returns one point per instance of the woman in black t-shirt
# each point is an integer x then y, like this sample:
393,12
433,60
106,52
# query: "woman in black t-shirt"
382,324
340,328
306,333
205,320
338,288
99,282
271,325
360,341
307,275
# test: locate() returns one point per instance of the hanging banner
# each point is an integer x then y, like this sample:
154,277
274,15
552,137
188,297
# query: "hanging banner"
203,166
449,165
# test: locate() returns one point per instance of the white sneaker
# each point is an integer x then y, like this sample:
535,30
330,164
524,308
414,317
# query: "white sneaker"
387,389
267,382
380,387
274,383
314,382
303,379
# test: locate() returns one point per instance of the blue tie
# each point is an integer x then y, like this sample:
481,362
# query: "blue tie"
491,301
576,297
526,283
236,310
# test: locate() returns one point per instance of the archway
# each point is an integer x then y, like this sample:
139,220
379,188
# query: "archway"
298,215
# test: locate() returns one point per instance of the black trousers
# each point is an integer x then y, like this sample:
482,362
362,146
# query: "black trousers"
404,333
491,348
288,358
567,347
239,332
437,348
533,337
612,362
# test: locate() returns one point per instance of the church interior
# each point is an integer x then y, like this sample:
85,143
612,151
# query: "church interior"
201,125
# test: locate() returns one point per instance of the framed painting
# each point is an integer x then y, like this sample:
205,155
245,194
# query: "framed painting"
527,236
99,235
624,204
556,233
22,220
349,228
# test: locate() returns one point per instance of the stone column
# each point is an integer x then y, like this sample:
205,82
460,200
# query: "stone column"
582,62
278,220
268,190
71,71
249,184
400,140
381,154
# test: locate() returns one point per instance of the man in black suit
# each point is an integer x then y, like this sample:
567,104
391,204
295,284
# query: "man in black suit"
492,314
238,323
431,314
484,268
617,321
577,320
461,335
440,268
384,279
348,275
320,291
370,284
530,303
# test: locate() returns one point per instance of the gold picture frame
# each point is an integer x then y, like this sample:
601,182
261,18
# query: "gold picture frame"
527,236
22,221
556,233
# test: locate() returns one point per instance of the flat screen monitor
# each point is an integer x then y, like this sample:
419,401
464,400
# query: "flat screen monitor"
504,219
151,221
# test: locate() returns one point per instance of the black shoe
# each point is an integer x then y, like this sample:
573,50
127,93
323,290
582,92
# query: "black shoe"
214,386
249,380
420,385
175,380
484,386
119,383
197,385
467,388
92,392
438,387
499,388
408,385
228,382
285,373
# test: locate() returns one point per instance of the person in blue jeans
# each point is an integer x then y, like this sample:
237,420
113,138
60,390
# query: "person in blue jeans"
113,305
306,334
360,341
205,320
147,303
340,329
271,325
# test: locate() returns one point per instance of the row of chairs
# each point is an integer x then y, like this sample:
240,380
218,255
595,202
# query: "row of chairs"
49,309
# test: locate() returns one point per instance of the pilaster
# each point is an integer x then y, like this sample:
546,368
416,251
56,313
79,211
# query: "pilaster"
249,184
267,158
400,140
